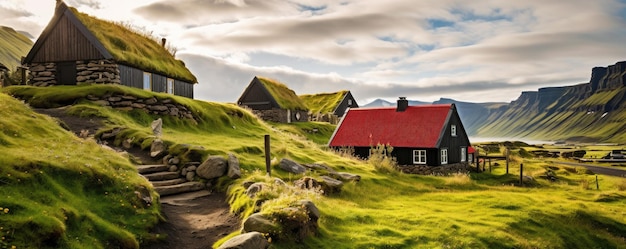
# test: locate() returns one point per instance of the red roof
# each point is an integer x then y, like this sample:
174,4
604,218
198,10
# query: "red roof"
471,150
416,127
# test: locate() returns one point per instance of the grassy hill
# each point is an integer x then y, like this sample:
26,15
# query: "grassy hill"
13,45
383,210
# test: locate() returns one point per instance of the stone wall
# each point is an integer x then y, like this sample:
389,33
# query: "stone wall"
328,117
151,105
42,74
97,71
281,115
93,71
435,170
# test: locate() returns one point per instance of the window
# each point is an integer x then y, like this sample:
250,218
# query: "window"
463,154
350,102
419,157
453,130
147,81
444,156
170,86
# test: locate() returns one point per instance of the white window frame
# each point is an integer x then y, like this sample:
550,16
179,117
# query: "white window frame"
170,86
419,156
453,130
463,154
147,81
444,156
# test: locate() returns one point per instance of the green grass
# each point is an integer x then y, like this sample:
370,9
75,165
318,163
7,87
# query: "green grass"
318,132
59,191
323,102
13,46
130,47
477,210
286,98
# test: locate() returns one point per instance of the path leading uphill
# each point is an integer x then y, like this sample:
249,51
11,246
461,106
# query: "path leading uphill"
195,217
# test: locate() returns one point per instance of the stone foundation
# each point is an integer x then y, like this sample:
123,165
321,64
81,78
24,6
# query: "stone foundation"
93,71
97,71
328,118
281,115
435,170
164,107
42,74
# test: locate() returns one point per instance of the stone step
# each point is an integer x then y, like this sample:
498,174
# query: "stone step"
145,169
161,176
168,182
185,199
179,188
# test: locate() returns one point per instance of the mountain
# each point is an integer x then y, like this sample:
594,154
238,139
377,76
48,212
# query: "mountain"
13,45
385,103
594,111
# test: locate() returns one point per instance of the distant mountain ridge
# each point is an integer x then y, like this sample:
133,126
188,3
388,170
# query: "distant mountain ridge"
588,112
13,45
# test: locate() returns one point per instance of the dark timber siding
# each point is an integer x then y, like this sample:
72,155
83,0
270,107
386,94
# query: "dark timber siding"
454,144
159,83
257,98
340,110
56,47
130,76
184,89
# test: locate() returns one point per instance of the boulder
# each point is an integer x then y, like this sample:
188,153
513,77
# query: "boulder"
143,194
309,206
254,188
190,175
345,176
251,240
291,166
234,172
327,184
173,161
157,127
213,167
172,168
259,223
157,148
331,185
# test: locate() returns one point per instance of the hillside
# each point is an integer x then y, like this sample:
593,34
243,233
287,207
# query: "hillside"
59,191
589,112
13,45
385,209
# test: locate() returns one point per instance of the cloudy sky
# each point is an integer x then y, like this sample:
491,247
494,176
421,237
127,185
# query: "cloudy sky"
478,51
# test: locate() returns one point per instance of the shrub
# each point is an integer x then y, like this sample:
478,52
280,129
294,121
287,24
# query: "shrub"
381,159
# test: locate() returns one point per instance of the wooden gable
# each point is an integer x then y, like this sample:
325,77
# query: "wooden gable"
257,97
66,39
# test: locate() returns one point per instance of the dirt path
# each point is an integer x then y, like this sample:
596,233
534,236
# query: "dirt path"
195,223
597,169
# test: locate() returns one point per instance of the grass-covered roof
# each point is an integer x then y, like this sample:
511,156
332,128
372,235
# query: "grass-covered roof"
134,49
285,97
323,102
13,45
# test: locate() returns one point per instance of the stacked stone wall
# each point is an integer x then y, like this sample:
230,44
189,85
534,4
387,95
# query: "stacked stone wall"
164,107
281,115
435,170
42,74
97,71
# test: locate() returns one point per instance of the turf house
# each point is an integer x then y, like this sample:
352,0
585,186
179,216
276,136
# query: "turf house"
329,107
273,101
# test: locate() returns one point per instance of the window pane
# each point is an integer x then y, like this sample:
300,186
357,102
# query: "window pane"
147,81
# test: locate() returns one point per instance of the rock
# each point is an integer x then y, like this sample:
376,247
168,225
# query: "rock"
183,172
173,168
213,167
157,148
166,159
81,78
254,188
234,172
259,223
37,68
174,160
326,184
143,194
101,102
309,206
291,166
45,74
157,127
129,97
123,103
158,108
279,182
190,175
251,240
151,101
345,176
191,168
247,184
110,134
128,143
114,99
138,105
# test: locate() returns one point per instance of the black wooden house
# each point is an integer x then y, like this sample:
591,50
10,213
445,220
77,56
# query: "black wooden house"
273,101
77,48
430,135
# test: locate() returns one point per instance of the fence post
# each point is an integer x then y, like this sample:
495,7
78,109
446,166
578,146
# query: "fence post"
597,184
507,160
267,155
521,174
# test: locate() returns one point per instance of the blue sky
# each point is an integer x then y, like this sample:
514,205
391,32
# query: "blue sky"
478,51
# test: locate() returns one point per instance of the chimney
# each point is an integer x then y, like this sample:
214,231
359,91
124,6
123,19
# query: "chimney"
402,104
163,40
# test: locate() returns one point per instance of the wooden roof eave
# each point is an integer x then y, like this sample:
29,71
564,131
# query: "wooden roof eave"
445,125
59,12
